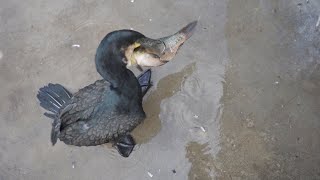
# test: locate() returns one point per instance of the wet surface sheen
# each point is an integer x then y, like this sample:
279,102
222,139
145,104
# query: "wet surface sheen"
271,97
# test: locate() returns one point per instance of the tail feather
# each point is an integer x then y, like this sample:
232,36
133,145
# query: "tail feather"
49,115
60,91
52,98
55,131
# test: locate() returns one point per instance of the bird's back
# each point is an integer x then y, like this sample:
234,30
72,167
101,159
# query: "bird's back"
97,114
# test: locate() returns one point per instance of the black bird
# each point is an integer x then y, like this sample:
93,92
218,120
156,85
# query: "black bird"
109,109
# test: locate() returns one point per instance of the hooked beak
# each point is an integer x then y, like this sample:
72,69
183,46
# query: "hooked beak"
174,42
156,52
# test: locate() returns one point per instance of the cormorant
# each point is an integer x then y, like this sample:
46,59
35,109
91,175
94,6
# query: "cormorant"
109,109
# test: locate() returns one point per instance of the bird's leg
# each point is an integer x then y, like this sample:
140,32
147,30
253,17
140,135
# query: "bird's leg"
145,81
125,144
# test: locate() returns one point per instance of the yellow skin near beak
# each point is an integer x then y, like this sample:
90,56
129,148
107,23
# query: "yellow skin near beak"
129,54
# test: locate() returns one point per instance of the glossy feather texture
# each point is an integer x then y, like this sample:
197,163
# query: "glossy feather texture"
105,110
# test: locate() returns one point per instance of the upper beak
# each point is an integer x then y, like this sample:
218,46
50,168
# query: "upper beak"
174,42
164,49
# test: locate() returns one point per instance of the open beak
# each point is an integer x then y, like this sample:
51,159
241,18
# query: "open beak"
156,52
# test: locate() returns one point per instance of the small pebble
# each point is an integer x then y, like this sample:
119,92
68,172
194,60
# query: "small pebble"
277,82
150,20
131,28
174,171
196,116
132,1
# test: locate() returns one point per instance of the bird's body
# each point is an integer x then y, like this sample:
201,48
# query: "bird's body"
96,115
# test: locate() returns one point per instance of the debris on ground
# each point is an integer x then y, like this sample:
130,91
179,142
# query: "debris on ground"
73,164
250,123
76,45
318,22
149,173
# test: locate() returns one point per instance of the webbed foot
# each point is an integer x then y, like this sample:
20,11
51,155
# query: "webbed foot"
145,81
125,145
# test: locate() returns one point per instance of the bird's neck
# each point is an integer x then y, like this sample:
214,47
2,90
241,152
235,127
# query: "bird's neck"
110,65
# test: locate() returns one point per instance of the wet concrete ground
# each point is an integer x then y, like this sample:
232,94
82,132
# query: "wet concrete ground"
240,101
270,123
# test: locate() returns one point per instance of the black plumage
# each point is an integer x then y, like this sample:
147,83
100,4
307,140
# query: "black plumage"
107,110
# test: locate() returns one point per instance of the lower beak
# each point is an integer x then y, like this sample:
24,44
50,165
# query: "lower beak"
164,49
